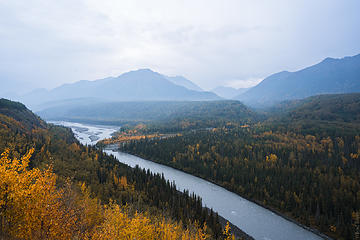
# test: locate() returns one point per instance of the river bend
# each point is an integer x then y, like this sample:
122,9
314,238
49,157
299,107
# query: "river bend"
253,219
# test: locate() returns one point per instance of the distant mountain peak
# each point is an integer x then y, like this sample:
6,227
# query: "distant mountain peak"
137,85
146,70
140,72
329,59
332,75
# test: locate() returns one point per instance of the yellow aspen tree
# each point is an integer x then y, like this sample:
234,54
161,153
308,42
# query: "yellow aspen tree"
227,232
30,202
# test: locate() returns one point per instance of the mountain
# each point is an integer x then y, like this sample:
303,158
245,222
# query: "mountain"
19,113
181,81
329,76
334,114
328,107
228,92
139,85
333,107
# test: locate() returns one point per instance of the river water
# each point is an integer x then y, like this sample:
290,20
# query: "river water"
253,219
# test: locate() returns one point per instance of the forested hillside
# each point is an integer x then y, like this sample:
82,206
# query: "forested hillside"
330,107
166,111
95,195
331,113
308,169
18,112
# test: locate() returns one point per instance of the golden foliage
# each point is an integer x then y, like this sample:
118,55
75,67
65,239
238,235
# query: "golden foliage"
119,225
227,233
271,159
30,203
126,138
31,207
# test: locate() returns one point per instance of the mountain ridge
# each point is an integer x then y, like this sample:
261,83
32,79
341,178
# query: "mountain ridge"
137,85
327,77
182,81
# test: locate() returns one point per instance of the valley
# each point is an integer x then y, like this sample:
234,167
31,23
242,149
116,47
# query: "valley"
180,120
265,169
256,221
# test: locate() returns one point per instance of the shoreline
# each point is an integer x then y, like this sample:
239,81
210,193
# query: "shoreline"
313,230
234,229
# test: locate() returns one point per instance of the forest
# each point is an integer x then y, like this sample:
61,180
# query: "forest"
300,159
306,168
120,113
51,185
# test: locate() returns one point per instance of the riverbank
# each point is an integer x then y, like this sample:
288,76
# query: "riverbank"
234,229
255,219
312,230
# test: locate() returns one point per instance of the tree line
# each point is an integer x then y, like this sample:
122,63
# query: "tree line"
313,178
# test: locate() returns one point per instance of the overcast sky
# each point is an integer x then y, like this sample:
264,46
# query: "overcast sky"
45,43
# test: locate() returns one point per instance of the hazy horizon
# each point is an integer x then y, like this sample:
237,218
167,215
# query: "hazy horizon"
212,43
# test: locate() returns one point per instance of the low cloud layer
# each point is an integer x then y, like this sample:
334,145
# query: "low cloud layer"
233,43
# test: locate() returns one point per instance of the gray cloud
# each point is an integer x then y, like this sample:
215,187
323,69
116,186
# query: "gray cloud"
47,43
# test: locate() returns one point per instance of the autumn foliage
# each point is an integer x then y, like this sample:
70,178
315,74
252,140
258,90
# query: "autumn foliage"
313,178
32,207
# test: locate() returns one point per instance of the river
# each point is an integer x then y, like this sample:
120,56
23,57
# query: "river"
258,222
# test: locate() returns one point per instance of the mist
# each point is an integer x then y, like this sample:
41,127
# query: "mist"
212,43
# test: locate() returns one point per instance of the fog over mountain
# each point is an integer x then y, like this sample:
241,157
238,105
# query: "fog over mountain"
181,81
329,76
139,85
49,44
118,112
228,92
